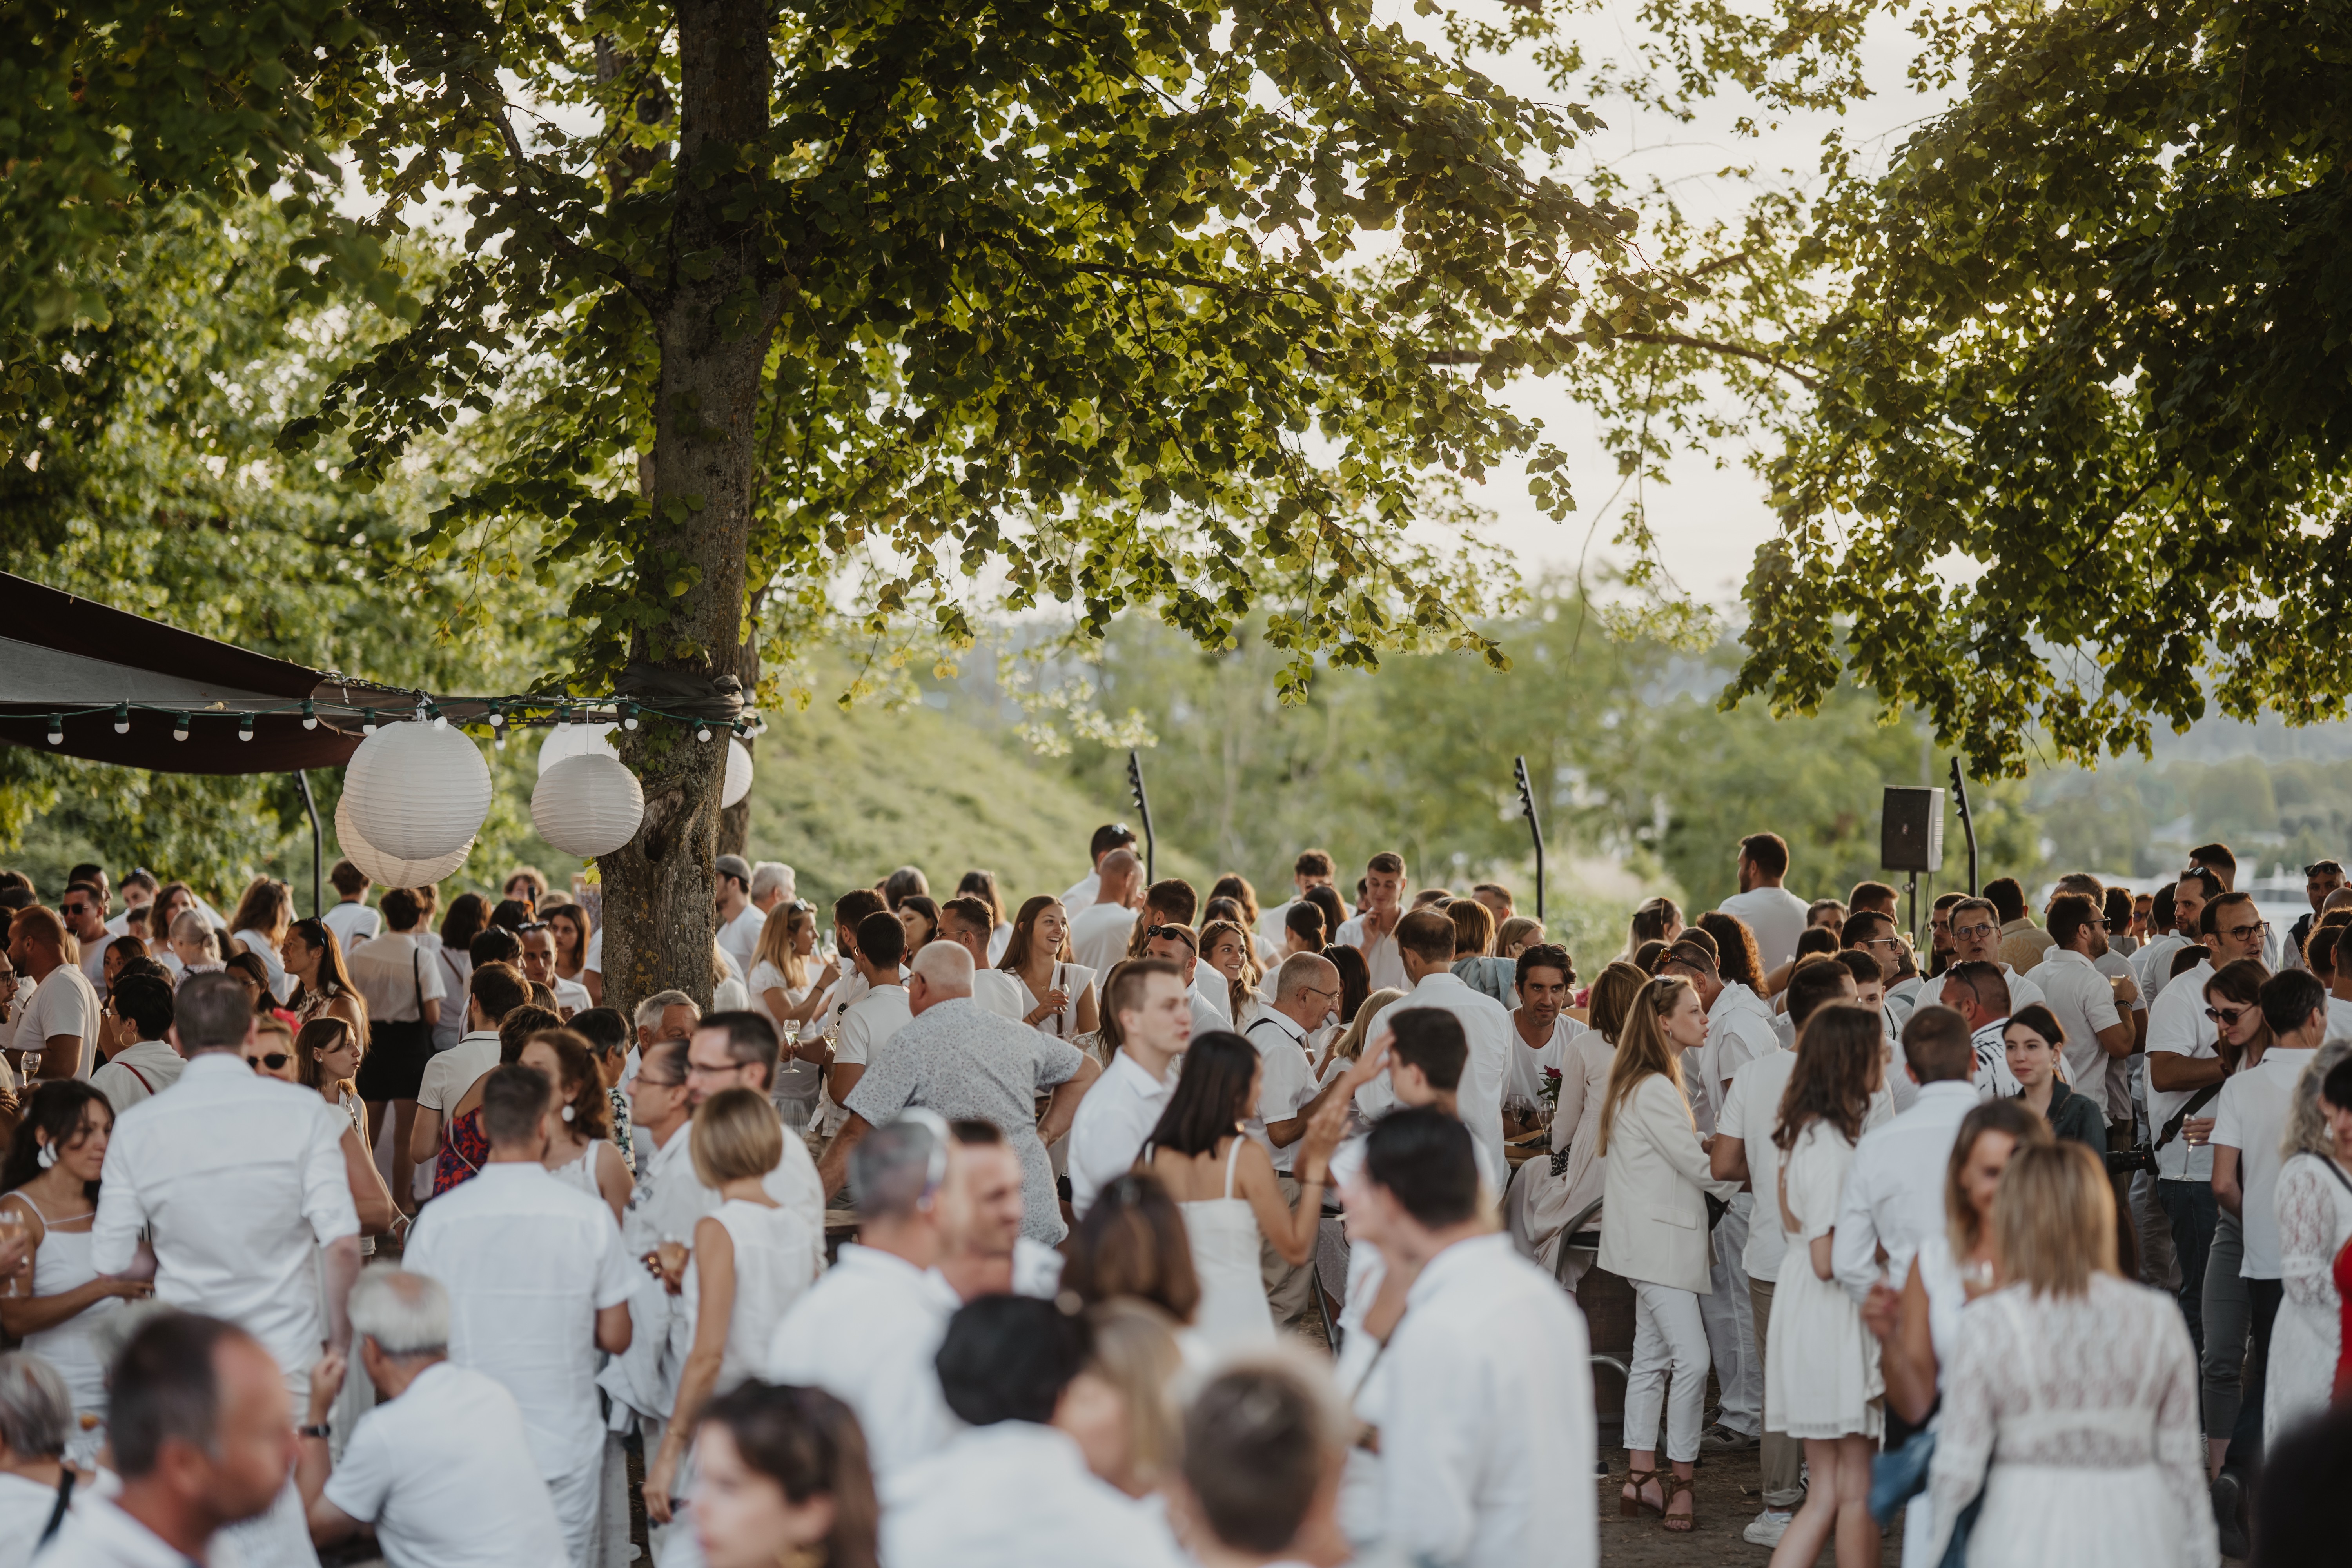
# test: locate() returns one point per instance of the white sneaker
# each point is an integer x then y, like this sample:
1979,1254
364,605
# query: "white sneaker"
1767,1528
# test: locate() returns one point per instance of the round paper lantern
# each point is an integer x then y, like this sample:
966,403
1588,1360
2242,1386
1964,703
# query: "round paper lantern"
567,741
416,793
739,774
391,870
588,805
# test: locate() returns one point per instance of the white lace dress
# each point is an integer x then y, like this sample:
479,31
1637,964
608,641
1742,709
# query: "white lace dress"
2077,1417
2314,1217
1821,1366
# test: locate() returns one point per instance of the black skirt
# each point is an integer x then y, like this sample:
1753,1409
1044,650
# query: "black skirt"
396,1054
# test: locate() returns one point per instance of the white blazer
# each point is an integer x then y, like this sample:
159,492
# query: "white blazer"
1653,1212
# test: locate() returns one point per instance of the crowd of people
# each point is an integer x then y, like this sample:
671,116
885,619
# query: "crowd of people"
1131,1225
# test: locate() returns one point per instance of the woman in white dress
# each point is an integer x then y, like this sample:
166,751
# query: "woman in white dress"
790,986
1547,1194
582,1152
752,1260
1918,1326
1820,1368
327,1058
2071,1402
2315,1221
1061,994
56,1299
1223,1183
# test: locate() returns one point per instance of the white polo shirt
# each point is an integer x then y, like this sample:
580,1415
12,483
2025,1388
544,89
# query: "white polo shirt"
444,1474
1113,1120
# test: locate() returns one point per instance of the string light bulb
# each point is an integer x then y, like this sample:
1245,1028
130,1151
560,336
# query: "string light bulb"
628,715
702,732
497,716
57,729
368,726
440,721
310,714
179,726
245,726
123,718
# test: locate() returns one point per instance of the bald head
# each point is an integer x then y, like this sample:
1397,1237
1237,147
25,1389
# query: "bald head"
1122,874
942,973
1307,989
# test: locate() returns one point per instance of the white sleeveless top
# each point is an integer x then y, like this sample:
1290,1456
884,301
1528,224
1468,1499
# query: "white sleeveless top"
580,1173
1233,1314
772,1248
63,1264
1072,979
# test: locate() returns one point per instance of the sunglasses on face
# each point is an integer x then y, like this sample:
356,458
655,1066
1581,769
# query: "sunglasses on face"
2322,868
2227,1016
275,1061
1171,933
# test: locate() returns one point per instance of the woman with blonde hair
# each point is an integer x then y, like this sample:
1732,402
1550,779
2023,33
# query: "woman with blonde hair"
1348,1046
1119,1408
263,917
1654,1192
2314,1202
1518,934
1475,964
2070,1408
1549,1193
1061,992
751,1261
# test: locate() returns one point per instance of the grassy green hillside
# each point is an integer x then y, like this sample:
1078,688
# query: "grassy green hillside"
844,799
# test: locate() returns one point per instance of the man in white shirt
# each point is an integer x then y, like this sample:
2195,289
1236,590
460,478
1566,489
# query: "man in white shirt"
1775,915
868,1331
968,922
1978,992
84,912
1425,939
493,991
772,883
138,890
2152,964
441,1466
349,918
1976,939
1311,870
1099,933
1264,1450
1305,994
740,1050
203,1434
538,1284
1155,1023
1743,1151
657,1232
242,1186
1086,889
1374,933
868,1023
740,920
1012,1489
1483,1397
982,1249
59,1019
2100,1038
1895,1190
1172,942
1542,1032
539,967
2249,1120
150,1066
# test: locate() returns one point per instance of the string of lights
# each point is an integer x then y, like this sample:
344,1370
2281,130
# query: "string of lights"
497,714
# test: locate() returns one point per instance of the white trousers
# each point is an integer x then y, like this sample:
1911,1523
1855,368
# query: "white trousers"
579,1496
1730,1318
1669,1370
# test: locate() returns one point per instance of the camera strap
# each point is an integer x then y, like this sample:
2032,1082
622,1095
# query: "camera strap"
2197,1102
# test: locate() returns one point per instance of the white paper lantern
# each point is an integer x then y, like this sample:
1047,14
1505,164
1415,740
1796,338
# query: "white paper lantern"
416,793
391,870
739,774
568,741
588,805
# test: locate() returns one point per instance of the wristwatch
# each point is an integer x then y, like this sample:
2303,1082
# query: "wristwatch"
319,1431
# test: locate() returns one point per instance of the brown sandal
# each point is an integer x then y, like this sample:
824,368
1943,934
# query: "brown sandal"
1633,1507
1681,1524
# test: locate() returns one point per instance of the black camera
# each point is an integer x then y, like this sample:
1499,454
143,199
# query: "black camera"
2141,1157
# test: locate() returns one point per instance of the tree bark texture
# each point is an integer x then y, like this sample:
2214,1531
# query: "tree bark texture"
713,327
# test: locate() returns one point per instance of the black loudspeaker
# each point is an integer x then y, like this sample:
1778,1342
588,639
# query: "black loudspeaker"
1911,830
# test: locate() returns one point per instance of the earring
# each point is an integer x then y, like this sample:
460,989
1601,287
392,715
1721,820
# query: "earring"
567,1113
48,1156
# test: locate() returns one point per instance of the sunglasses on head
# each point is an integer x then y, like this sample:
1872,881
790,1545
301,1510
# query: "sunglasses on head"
2322,868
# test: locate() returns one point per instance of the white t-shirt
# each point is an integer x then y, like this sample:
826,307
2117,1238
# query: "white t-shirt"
1288,1082
353,924
64,1003
2176,1023
1524,1079
1775,916
741,937
570,996
865,1028
450,1073
1382,958
1750,1112
146,1069
396,976
1100,934
2249,1117
2085,1003
444,1474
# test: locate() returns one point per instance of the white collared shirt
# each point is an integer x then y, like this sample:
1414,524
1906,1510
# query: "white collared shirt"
97,1533
741,937
2249,1116
1100,934
1484,1403
2176,1024
1894,1188
1019,1495
1381,960
1113,1120
2152,964
1082,893
1738,1030
1209,1011
1287,1085
240,1180
395,977
449,1074
137,1072
354,924
529,1261
2084,1002
444,1474
866,1334
1486,1027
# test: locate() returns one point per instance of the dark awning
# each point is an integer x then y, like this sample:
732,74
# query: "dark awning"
60,653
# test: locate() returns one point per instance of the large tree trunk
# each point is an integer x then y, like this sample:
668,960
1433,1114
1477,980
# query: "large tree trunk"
713,327
735,822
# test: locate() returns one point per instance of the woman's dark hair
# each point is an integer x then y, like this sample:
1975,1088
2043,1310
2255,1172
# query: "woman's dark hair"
2336,1086
809,1445
1816,939
334,980
1132,1243
1649,955
55,1108
1653,918
1008,1357
1212,1094
604,1028
518,1025
250,964
1335,913
317,1035
510,914
2239,981
1836,1056
576,917
591,1109
1735,948
922,904
469,913
1354,980
981,885
1234,886
2042,1021
1303,919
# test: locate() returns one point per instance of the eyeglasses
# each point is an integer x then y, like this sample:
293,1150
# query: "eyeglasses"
1975,931
2227,1016
2245,933
649,1081
1880,942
